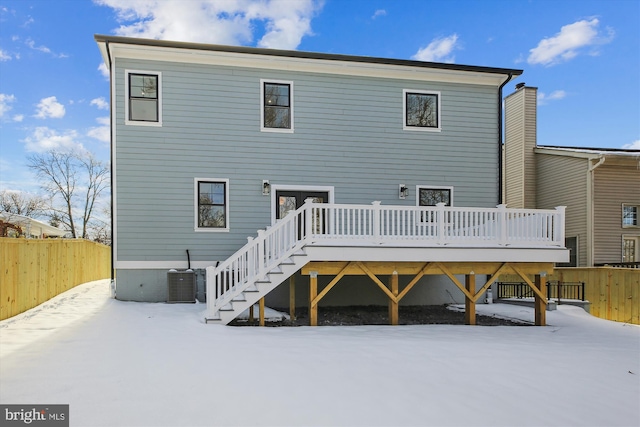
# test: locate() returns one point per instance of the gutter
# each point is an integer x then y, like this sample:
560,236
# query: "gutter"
111,126
500,142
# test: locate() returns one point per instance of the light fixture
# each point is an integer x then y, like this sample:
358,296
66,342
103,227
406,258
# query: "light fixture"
403,191
266,187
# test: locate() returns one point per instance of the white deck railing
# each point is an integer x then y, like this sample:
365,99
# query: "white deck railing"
378,225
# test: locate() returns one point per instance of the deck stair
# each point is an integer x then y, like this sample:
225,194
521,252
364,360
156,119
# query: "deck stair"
348,231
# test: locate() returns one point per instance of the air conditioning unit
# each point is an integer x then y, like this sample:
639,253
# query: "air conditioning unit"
181,286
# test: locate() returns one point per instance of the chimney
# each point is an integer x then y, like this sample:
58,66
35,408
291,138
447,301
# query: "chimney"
519,177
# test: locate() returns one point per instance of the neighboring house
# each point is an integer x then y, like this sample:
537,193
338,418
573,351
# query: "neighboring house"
14,225
600,187
212,143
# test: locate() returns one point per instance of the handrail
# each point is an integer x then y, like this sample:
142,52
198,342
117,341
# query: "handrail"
375,225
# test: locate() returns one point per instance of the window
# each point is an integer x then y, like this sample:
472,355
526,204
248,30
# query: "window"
431,196
276,106
629,215
212,205
630,246
143,98
421,110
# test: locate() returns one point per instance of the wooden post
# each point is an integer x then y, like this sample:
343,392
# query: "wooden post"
261,310
540,306
313,292
251,317
292,297
469,304
393,305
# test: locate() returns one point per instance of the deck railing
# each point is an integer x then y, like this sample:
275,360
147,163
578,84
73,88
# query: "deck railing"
378,225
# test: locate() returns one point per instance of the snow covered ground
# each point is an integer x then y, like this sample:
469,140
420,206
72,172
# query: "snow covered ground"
136,364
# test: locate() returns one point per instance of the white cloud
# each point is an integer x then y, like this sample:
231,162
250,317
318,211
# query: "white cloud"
635,145
439,50
18,118
543,98
104,70
44,139
379,12
5,100
101,133
568,43
32,44
213,21
101,103
4,56
50,108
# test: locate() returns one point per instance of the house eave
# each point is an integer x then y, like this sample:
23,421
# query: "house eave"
299,61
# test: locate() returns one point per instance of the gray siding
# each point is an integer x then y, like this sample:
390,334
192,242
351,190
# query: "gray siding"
562,181
613,186
348,134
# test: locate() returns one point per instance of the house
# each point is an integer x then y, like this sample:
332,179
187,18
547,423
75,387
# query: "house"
266,166
600,187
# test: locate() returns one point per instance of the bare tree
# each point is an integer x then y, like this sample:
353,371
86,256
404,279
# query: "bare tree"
19,203
75,182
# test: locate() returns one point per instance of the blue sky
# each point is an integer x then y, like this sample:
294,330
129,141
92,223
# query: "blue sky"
584,57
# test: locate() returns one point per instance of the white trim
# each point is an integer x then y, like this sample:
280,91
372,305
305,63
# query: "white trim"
292,64
161,265
277,130
404,111
226,205
114,186
433,187
126,99
283,187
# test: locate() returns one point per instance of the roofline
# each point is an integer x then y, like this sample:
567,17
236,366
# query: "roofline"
99,38
592,150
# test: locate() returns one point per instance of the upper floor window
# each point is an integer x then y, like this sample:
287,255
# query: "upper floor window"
630,215
431,196
276,106
143,105
421,110
212,205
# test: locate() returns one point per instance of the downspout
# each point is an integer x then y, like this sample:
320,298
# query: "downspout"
500,142
111,98
591,208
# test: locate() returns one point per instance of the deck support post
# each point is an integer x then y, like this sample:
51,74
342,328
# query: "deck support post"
540,303
251,317
292,297
469,304
261,311
393,305
313,293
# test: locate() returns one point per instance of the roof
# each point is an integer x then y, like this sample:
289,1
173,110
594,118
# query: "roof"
33,227
589,152
125,44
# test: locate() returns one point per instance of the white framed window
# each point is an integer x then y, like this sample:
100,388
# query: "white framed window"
276,106
421,110
630,248
630,215
211,204
143,98
429,195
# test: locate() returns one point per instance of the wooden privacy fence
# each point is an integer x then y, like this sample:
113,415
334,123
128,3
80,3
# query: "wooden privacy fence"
614,293
35,270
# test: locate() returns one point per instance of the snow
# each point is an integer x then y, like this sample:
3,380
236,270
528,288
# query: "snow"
143,364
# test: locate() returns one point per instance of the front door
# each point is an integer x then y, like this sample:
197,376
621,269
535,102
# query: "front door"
288,200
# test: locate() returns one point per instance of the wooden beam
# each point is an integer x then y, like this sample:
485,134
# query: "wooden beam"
413,281
470,303
313,292
377,281
524,277
292,297
251,317
334,281
541,303
393,305
261,310
489,282
450,275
